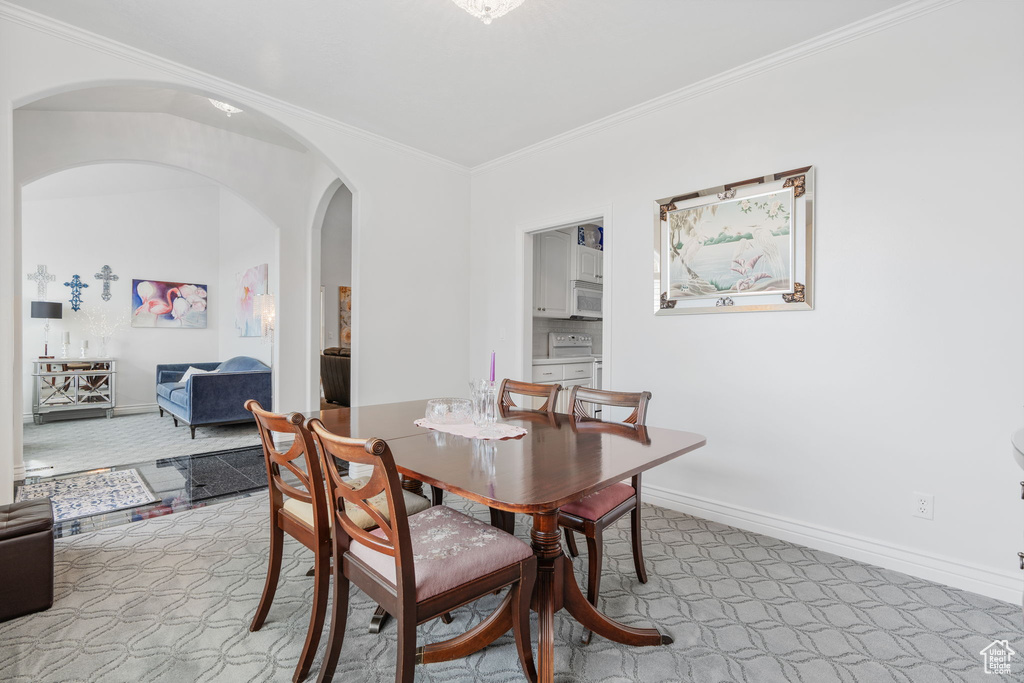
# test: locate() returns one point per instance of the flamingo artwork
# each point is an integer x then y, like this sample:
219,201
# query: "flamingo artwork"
168,304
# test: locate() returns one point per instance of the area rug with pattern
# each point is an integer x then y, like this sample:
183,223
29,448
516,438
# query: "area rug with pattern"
90,494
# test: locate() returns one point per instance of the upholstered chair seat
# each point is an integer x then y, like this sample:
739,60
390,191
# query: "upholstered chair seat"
413,503
597,505
449,549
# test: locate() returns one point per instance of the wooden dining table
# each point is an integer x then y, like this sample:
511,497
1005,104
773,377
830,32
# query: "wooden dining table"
558,460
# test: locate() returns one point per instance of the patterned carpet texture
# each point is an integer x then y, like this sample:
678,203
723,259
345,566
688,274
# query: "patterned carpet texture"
170,599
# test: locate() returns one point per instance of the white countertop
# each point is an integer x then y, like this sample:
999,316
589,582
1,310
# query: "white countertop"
571,359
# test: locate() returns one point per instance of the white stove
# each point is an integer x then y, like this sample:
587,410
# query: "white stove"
570,345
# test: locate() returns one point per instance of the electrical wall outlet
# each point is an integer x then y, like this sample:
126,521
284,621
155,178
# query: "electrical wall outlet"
924,505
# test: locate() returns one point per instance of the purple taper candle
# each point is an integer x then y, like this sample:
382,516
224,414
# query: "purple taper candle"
492,366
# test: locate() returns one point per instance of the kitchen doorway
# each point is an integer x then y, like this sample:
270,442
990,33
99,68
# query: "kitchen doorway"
566,312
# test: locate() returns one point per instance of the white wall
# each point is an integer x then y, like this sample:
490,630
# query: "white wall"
907,376
247,239
158,234
335,258
39,57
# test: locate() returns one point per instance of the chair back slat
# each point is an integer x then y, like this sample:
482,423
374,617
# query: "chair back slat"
302,450
579,397
385,478
630,431
511,386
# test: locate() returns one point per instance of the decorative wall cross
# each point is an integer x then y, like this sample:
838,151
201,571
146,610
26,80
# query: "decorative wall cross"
41,277
76,286
107,276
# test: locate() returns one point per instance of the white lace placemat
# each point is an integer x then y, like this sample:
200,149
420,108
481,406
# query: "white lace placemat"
504,431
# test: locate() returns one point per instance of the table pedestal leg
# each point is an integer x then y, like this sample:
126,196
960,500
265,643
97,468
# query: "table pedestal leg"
588,615
547,546
413,485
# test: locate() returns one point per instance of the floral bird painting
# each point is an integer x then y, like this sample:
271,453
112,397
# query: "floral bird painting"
736,247
156,303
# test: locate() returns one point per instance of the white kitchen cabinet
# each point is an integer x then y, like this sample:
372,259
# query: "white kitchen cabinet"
570,374
589,264
551,273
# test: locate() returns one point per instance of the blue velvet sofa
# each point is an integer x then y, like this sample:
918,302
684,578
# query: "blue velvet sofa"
215,398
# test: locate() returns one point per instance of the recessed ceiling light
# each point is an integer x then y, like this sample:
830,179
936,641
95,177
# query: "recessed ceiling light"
225,107
487,10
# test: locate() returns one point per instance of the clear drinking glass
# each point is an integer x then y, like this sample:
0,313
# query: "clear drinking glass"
485,405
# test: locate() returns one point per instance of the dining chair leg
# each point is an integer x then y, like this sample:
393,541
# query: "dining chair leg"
406,666
638,546
594,566
321,586
570,540
501,519
594,546
273,574
522,594
339,616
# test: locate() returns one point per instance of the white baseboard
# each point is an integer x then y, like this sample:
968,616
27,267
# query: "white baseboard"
118,410
1006,586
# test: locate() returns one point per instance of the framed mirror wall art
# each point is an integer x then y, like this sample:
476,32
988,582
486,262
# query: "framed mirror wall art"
738,247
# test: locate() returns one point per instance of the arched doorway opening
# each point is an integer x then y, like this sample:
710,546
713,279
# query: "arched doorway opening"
116,226
333,233
264,163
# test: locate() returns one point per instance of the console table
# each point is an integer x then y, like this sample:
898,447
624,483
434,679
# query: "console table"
67,385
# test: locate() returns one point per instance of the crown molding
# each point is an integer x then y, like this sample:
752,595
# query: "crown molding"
826,41
207,82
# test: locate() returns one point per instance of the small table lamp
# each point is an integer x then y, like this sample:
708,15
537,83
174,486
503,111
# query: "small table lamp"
48,310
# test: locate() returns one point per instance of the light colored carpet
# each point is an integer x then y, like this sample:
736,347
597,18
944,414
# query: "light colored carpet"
65,446
170,599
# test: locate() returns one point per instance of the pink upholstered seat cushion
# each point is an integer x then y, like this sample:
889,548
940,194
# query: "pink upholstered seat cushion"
596,505
449,549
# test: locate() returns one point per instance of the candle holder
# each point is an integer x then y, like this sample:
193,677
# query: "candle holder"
85,349
64,348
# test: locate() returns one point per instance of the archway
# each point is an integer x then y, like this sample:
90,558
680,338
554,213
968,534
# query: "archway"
281,199
145,222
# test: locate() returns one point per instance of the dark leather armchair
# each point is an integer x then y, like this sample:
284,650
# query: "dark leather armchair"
335,373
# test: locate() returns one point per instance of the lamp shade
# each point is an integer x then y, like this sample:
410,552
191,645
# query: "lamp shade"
51,310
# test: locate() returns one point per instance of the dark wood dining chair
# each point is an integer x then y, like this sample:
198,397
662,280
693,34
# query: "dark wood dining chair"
301,513
590,516
511,386
403,567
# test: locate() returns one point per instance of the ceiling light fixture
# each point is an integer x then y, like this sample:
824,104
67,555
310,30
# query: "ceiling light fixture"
224,107
488,10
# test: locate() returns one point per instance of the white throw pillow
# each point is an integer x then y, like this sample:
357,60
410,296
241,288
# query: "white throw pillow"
194,371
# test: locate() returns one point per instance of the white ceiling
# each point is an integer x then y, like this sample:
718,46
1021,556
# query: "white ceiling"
177,102
425,73
106,179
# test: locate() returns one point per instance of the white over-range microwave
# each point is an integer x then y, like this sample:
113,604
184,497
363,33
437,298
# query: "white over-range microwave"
586,301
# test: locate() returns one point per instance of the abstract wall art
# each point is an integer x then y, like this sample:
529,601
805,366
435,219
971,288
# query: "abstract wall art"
345,317
248,286
156,303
